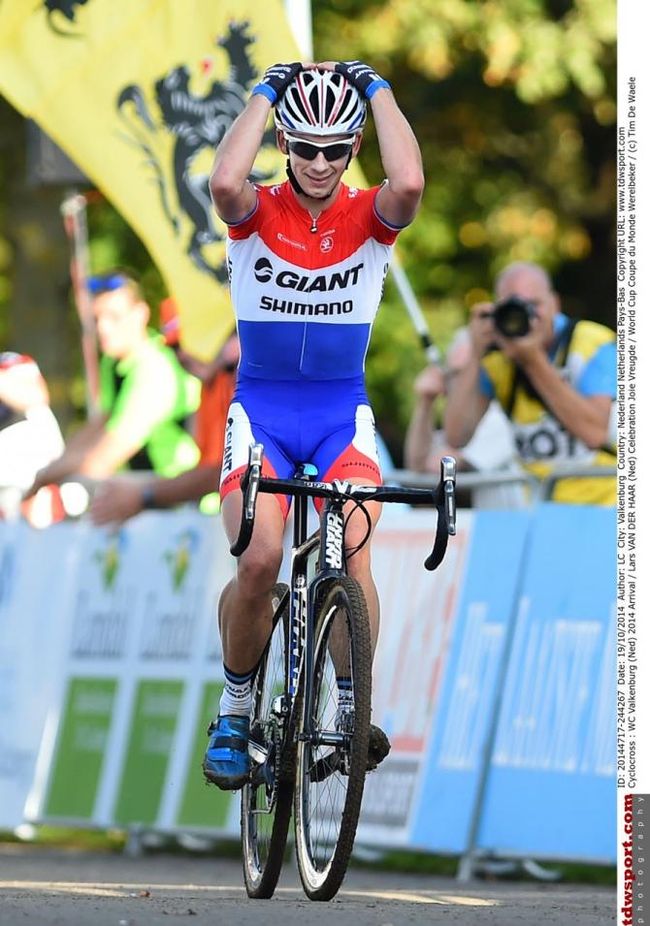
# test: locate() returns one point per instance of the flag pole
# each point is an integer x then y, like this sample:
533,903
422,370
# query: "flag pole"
299,19
73,210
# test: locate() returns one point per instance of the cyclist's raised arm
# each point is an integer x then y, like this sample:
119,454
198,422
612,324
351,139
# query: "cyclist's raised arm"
399,198
233,195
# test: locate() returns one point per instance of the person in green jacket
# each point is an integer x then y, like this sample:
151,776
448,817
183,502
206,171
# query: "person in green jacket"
146,396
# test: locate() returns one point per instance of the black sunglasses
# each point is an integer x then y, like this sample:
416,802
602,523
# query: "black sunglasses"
106,283
307,150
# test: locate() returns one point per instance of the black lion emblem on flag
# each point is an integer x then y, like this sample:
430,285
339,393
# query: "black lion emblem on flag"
67,9
196,122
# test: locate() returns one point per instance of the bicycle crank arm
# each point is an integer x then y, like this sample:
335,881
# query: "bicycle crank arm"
325,739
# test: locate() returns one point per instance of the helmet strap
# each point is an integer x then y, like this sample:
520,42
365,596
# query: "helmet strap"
293,180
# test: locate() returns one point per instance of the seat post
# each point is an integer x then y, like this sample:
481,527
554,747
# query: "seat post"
308,472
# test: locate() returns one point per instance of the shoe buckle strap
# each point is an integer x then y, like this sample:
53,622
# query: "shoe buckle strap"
233,743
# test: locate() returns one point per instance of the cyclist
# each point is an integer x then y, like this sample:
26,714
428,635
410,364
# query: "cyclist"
307,261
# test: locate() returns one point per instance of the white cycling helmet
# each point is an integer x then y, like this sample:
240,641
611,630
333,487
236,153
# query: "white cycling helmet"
320,103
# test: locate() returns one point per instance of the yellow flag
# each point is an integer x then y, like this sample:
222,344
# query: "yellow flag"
138,93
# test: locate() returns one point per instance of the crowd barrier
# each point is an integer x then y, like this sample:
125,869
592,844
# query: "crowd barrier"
494,679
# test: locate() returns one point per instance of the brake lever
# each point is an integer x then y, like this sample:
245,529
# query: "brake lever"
255,455
446,507
448,480
249,485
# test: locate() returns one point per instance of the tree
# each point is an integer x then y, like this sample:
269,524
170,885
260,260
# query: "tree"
513,102
514,107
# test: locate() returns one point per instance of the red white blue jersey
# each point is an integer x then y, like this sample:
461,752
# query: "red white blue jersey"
306,292
305,295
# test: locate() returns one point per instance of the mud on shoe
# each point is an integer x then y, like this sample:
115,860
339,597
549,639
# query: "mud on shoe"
378,742
226,763
378,747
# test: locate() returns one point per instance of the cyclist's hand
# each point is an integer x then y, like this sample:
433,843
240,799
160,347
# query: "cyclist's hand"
276,79
362,77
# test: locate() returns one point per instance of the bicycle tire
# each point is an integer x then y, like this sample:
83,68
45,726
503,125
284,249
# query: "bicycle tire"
330,781
266,806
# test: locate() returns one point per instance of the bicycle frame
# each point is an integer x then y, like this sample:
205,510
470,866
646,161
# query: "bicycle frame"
329,539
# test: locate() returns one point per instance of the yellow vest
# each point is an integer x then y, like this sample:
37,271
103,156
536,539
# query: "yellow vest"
541,440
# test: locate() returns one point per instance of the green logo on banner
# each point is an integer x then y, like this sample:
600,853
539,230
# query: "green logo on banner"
109,559
179,559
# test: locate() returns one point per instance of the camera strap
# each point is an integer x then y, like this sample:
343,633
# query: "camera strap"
559,353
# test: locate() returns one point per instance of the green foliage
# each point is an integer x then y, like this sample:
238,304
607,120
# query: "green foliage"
9,155
513,104
112,243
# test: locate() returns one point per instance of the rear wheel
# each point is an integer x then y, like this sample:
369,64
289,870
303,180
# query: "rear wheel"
266,799
333,751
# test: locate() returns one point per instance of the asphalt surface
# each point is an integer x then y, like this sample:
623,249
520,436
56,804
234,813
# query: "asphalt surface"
48,887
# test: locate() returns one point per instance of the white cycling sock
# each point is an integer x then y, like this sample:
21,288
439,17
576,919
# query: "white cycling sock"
236,696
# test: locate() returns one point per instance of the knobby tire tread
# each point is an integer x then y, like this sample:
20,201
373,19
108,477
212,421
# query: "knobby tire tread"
350,592
263,886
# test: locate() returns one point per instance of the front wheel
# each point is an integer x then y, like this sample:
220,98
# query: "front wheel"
333,742
266,799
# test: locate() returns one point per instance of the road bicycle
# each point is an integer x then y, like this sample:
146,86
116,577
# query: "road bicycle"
306,752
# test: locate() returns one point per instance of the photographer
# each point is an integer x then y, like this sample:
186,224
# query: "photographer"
554,378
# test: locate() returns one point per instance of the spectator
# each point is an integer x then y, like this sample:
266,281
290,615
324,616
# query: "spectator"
29,438
145,395
555,379
491,448
117,499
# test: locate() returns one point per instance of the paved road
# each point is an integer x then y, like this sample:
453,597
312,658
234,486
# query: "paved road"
41,887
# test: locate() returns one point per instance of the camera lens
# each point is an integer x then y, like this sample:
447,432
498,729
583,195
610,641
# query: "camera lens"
512,317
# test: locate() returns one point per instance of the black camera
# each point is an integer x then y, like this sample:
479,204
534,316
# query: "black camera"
512,317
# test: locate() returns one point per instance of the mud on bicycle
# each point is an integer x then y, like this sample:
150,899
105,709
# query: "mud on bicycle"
309,752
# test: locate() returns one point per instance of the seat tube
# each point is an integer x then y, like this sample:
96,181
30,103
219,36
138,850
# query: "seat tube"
300,520
298,603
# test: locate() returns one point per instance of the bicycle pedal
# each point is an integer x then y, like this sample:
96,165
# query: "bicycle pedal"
258,753
261,775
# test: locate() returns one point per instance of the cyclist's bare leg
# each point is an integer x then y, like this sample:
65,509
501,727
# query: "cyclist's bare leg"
245,603
359,565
